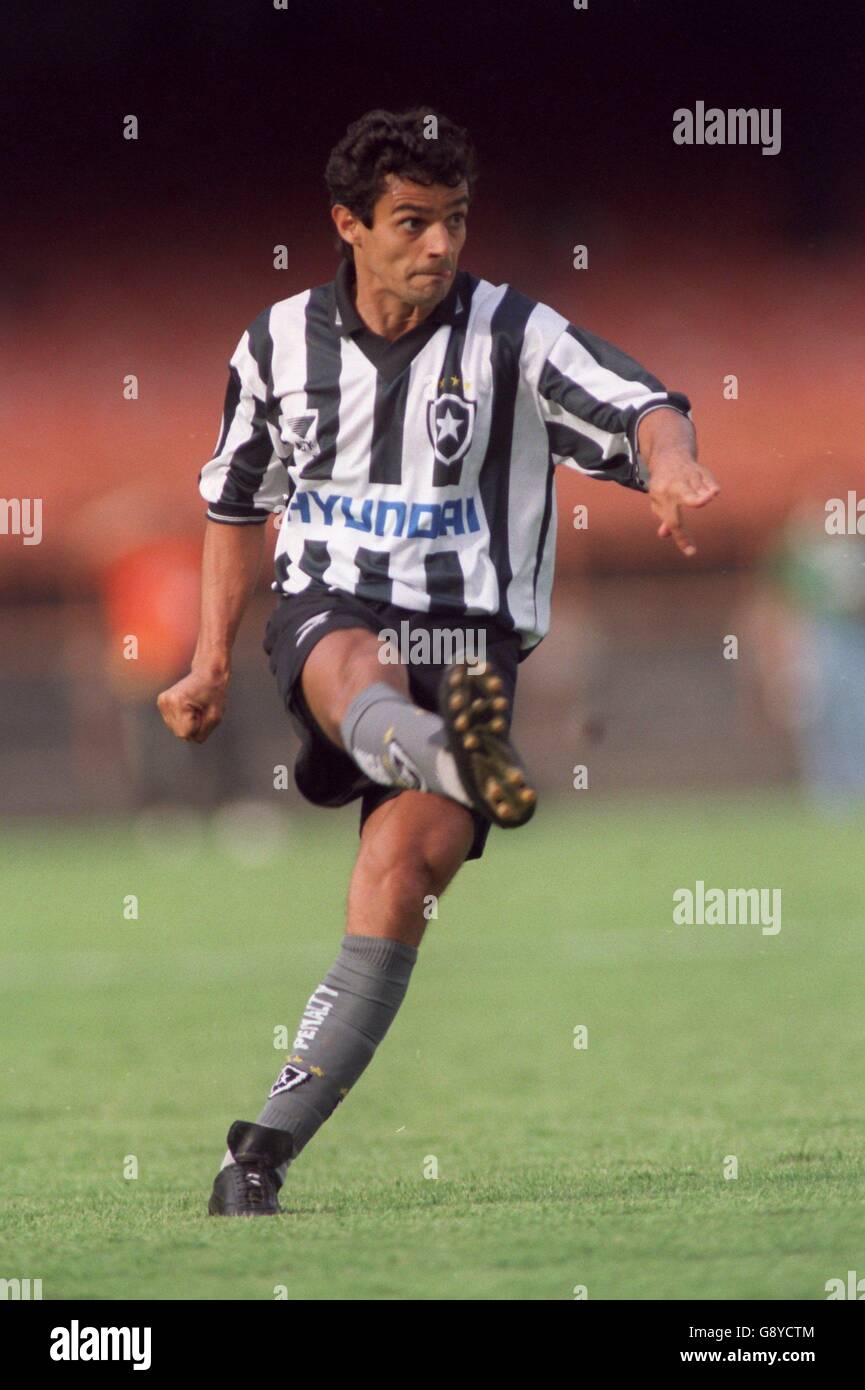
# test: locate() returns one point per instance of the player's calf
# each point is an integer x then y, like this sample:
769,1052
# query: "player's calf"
411,848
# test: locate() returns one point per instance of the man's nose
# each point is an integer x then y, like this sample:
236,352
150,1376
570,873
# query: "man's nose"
437,242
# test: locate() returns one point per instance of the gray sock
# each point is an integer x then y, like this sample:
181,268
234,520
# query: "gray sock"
400,745
342,1025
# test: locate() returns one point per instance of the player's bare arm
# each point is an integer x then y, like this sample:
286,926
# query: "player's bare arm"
668,443
230,565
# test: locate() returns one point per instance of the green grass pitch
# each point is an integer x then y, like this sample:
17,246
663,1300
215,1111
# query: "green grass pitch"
557,1167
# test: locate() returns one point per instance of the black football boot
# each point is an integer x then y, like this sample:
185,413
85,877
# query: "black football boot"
248,1186
477,716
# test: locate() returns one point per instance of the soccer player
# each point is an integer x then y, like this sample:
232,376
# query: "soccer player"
408,416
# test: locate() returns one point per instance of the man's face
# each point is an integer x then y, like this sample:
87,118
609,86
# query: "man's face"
413,246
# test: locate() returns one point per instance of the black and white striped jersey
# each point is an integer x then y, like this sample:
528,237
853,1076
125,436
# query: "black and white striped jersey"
421,473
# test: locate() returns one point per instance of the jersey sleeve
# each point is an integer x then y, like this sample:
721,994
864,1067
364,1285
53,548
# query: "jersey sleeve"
245,480
592,397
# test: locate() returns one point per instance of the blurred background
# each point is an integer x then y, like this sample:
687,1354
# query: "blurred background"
736,277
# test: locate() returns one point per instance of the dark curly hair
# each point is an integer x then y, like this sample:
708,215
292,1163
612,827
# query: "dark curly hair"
388,142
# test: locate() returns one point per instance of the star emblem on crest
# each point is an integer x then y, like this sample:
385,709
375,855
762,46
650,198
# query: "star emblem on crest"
450,425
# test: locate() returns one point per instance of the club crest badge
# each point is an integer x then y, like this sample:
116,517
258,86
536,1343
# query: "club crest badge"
450,424
288,1078
300,431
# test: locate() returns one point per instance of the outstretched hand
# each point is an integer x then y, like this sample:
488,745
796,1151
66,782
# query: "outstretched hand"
677,480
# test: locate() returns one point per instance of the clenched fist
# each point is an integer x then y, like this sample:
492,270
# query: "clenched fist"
193,707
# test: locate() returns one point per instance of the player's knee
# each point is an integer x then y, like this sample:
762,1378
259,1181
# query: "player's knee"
407,884
444,853
425,864
405,871
339,667
360,666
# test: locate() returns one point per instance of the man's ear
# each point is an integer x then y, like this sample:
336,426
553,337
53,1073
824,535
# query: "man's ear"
345,222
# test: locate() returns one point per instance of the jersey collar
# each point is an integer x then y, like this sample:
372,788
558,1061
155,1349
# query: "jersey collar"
452,310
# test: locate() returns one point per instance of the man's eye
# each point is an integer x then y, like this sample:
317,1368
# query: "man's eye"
459,217
410,222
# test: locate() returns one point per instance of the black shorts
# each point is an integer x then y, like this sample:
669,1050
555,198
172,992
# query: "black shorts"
325,774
